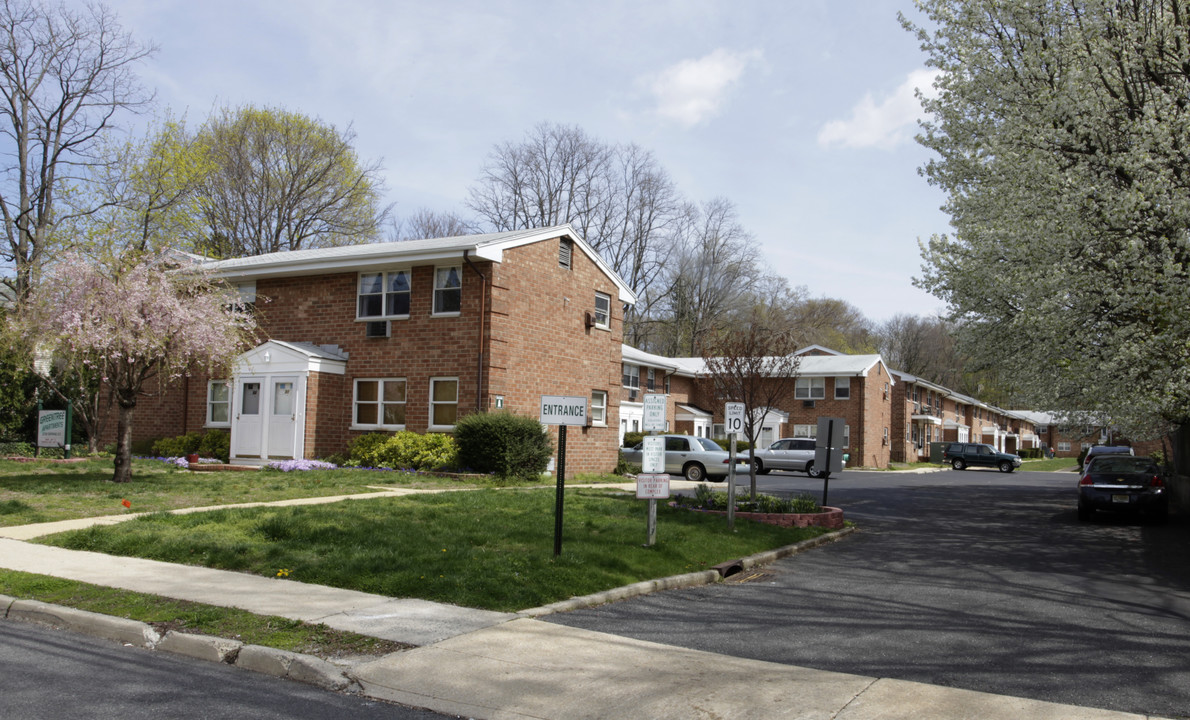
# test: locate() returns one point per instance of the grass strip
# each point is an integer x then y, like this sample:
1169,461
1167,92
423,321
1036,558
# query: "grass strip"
196,618
38,492
489,549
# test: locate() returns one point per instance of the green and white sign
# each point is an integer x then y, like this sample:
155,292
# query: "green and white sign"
51,428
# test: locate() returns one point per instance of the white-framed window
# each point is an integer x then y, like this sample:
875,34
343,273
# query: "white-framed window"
1064,447
718,430
219,403
603,311
379,403
448,291
651,380
810,388
383,295
631,376
885,436
804,431
842,388
1085,446
444,403
599,408
667,384
846,436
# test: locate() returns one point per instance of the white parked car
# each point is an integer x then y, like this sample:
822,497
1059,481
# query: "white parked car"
795,454
694,458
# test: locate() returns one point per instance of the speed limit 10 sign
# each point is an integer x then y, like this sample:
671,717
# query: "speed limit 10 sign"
733,415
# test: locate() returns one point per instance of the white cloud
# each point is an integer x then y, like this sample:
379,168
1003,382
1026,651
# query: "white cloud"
884,125
692,91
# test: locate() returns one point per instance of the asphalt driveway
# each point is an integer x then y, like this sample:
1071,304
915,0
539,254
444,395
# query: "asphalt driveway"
971,579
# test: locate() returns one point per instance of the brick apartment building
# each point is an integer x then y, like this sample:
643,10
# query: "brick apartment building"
412,336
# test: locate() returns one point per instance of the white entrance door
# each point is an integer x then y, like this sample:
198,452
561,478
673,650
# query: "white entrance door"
247,434
282,417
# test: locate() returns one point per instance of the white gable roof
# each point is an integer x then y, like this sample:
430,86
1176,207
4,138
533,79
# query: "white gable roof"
354,258
810,366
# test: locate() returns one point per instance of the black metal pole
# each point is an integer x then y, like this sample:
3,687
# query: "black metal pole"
826,474
561,487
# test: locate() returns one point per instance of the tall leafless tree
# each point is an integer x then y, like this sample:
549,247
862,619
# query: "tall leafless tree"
65,77
426,223
753,363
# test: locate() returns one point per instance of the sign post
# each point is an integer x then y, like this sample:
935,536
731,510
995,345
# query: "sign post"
828,450
733,422
653,482
562,411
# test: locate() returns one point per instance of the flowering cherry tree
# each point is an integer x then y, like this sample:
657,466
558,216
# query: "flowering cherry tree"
138,326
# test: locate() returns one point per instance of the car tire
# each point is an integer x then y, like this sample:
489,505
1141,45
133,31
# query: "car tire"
958,464
694,472
1005,467
761,469
812,471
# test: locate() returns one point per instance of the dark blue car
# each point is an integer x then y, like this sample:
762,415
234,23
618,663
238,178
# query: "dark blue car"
1123,483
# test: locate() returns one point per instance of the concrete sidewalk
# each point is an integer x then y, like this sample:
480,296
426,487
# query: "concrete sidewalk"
494,665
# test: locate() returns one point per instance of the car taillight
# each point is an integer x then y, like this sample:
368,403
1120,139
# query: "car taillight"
1156,481
1086,480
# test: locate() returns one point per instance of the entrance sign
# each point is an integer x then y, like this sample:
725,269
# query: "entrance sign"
51,428
652,487
563,410
733,417
652,455
654,410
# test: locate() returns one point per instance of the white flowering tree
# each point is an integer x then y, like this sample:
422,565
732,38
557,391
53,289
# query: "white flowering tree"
137,326
1062,130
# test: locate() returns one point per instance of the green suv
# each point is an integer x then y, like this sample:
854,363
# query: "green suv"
964,455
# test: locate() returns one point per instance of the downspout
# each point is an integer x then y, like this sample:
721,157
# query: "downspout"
483,315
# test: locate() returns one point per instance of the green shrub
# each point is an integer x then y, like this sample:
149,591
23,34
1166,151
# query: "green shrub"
623,467
211,444
741,446
632,439
20,449
707,499
404,450
1081,457
509,446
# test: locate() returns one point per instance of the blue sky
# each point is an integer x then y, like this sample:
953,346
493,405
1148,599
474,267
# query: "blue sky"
799,111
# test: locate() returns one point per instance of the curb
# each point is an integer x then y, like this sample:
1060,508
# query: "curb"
673,582
270,661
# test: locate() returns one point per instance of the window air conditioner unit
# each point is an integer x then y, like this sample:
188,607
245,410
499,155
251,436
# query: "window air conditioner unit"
632,395
589,319
378,329
807,403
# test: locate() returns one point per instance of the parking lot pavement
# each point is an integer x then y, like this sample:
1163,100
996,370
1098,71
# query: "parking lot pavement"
974,579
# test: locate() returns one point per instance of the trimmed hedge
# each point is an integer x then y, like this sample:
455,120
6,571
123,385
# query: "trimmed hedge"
405,450
211,444
506,445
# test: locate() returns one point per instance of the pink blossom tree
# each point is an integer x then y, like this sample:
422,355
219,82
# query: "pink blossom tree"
139,326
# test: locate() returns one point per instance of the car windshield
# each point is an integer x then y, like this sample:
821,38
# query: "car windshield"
1123,464
708,444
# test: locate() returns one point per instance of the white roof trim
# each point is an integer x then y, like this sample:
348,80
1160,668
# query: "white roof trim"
356,258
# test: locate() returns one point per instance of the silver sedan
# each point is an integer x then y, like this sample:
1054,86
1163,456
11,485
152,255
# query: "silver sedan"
694,458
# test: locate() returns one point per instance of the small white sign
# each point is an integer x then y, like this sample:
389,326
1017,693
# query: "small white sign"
652,454
733,417
51,428
654,410
563,410
652,487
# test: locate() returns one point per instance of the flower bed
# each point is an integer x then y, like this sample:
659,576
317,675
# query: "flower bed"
830,517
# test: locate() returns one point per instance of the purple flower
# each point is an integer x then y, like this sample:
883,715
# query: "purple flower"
302,464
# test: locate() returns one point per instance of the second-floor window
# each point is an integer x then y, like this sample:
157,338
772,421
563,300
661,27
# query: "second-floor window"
842,388
603,310
631,376
651,381
384,295
448,290
810,389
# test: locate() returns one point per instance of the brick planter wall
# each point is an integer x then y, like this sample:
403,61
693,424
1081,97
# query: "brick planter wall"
830,517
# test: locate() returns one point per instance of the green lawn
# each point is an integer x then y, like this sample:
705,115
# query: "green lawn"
1049,465
195,618
488,548
43,492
